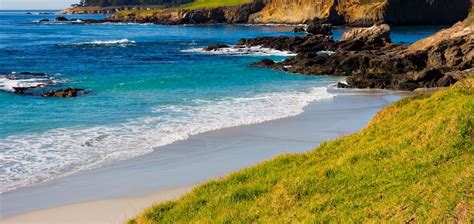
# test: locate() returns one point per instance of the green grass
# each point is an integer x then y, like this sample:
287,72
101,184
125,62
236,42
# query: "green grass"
198,4
414,162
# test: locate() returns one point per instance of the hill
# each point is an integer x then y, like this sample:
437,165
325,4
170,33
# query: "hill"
414,162
337,12
365,12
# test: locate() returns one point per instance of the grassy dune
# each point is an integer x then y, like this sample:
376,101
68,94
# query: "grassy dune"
413,162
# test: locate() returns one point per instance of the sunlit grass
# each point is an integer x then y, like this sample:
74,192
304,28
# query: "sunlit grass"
413,162
198,4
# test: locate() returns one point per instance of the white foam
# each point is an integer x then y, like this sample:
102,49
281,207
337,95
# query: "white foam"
9,82
325,52
33,158
125,23
121,42
276,24
243,51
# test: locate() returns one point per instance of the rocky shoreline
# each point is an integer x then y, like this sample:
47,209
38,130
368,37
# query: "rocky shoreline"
365,55
370,60
224,14
337,12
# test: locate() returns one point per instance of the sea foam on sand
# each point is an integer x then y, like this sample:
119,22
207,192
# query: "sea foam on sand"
33,158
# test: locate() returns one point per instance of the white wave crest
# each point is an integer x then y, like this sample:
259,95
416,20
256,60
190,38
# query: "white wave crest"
243,51
121,42
275,24
33,158
10,82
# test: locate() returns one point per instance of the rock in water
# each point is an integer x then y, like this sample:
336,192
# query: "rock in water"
215,47
370,60
318,28
342,85
374,34
65,93
61,19
264,63
299,29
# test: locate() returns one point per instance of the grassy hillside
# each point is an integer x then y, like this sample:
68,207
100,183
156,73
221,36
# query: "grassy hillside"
198,4
413,162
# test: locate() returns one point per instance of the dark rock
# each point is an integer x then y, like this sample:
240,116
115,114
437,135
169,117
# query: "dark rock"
369,60
215,47
416,12
64,93
299,29
43,85
20,90
264,63
44,20
61,19
32,73
342,85
298,44
93,21
195,17
318,28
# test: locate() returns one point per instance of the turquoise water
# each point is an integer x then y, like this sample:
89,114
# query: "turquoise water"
149,86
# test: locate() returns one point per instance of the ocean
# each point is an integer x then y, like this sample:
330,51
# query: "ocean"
149,86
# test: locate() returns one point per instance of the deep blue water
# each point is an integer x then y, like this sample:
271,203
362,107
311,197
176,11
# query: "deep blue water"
148,84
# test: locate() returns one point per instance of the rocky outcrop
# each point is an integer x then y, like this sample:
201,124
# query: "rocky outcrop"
374,35
64,93
297,44
215,47
365,13
228,14
105,10
319,28
62,19
37,84
369,60
335,12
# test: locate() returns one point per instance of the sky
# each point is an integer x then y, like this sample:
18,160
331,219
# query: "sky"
35,4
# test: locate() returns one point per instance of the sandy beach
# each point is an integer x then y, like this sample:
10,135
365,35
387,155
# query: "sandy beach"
116,192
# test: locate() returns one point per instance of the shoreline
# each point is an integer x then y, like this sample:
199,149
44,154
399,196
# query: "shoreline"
201,157
114,210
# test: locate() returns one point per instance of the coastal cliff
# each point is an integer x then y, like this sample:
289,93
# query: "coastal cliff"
364,12
106,10
336,12
228,14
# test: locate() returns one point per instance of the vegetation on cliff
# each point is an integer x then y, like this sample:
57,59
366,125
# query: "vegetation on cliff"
105,3
337,12
414,162
365,12
202,4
